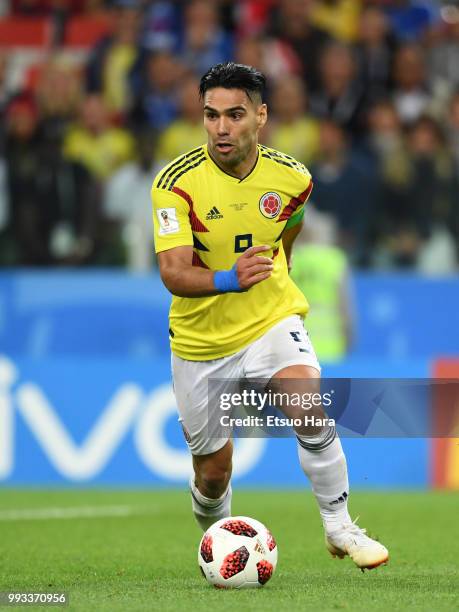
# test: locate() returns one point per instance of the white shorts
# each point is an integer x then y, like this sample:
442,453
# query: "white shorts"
285,344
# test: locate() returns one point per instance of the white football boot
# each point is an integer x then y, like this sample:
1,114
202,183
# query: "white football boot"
351,540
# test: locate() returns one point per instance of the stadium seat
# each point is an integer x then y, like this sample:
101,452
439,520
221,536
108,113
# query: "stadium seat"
85,31
25,32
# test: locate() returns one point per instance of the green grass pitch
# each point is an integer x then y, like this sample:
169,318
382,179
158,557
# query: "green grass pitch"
145,558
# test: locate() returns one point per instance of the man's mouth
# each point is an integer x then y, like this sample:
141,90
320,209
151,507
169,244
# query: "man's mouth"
224,147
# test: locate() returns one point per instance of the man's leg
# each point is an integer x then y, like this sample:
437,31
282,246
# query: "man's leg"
285,351
322,460
209,444
210,486
324,463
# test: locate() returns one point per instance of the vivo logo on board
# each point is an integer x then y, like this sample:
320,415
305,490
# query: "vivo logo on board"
130,411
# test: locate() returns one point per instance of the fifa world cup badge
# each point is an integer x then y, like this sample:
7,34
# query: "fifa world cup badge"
168,222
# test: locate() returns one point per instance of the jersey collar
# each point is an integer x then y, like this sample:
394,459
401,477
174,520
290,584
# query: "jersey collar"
228,177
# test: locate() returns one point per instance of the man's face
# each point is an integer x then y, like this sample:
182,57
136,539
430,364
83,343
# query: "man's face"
232,121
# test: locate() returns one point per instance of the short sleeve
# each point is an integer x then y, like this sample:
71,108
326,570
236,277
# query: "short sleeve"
299,202
296,218
170,220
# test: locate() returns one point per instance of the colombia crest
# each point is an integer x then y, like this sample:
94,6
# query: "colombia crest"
270,204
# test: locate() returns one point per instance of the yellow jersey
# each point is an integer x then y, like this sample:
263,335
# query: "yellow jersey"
118,63
195,203
103,153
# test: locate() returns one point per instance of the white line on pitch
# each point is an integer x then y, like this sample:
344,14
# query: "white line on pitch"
37,514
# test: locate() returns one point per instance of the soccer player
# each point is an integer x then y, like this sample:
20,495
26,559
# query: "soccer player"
233,209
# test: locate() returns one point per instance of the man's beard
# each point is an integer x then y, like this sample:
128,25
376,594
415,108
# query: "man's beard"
237,156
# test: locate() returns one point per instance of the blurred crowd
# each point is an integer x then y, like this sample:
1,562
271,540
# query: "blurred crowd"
364,92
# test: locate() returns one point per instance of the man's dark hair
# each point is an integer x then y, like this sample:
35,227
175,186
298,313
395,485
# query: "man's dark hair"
234,76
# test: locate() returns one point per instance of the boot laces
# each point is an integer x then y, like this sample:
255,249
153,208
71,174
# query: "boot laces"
354,529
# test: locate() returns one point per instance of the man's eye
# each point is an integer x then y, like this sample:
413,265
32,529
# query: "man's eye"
236,115
211,116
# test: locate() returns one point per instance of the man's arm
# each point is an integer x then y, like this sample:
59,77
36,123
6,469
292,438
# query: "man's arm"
288,238
185,280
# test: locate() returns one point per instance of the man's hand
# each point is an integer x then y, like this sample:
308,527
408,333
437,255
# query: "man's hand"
253,268
185,280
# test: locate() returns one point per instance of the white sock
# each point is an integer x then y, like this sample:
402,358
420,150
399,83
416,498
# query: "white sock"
207,510
327,470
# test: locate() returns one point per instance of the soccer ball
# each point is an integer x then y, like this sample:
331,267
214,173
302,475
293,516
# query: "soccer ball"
237,552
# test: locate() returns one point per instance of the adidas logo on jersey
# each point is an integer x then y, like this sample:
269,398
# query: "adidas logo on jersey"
214,213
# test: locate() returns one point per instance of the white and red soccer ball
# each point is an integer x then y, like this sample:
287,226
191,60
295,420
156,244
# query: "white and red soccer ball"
237,552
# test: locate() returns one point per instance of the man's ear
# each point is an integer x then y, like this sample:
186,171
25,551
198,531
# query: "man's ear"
262,115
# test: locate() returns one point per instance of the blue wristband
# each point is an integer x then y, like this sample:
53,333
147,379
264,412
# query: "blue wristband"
226,281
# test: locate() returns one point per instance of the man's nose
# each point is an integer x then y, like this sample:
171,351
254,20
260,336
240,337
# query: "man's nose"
222,126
